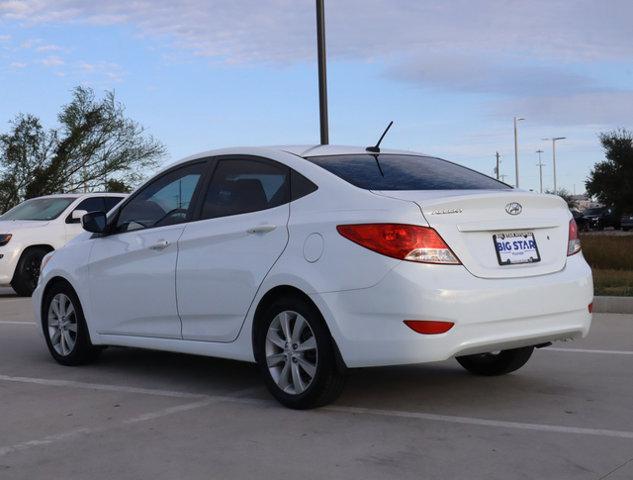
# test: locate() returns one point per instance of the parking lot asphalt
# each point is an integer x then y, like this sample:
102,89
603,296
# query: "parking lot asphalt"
140,414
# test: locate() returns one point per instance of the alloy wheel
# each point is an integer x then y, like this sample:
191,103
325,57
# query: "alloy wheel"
291,352
62,324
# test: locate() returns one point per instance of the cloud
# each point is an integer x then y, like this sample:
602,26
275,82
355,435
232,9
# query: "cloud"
283,30
49,48
18,65
470,74
591,108
52,61
529,54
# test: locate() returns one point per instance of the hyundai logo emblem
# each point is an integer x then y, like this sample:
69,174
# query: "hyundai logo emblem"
514,208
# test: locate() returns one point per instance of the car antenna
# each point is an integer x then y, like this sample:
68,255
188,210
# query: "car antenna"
376,148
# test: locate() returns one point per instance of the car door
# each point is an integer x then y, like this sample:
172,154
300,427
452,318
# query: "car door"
132,270
224,257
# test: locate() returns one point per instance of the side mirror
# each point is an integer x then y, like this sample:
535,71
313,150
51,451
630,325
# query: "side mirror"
95,222
75,216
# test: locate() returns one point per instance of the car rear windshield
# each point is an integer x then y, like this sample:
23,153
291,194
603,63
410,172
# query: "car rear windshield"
405,172
39,209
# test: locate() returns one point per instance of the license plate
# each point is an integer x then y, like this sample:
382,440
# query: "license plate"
516,247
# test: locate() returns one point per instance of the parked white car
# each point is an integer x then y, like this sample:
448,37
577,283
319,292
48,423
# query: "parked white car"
38,226
310,260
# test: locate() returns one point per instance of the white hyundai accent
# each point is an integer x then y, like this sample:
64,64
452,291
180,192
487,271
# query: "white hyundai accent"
312,260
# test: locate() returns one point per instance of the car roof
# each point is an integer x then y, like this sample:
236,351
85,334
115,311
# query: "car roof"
82,195
305,151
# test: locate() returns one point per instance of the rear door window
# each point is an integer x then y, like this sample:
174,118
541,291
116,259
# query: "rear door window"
243,186
405,172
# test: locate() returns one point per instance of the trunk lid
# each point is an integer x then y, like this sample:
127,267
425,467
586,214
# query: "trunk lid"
468,219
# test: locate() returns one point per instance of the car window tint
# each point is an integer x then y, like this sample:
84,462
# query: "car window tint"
405,172
92,204
300,186
111,202
165,201
243,186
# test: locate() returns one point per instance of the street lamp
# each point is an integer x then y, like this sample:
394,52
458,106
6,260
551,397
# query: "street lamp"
554,140
516,151
540,166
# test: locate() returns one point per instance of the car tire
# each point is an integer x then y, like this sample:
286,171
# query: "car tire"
297,355
491,364
65,328
27,271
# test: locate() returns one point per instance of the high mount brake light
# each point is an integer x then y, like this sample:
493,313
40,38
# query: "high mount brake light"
573,244
404,242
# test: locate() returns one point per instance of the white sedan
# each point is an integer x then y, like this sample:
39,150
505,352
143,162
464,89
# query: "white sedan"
313,260
38,226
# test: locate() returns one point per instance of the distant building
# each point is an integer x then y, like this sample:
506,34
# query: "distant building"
584,201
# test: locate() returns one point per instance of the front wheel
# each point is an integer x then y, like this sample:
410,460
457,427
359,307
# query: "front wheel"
27,271
297,356
498,363
65,327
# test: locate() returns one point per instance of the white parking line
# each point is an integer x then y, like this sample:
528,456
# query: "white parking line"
484,422
87,431
584,350
102,387
205,401
15,322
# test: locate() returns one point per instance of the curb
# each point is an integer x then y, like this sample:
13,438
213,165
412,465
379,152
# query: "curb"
604,304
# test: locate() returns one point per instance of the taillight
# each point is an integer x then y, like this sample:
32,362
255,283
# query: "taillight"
573,245
405,242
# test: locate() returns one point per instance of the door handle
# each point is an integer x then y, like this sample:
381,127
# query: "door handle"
262,229
160,245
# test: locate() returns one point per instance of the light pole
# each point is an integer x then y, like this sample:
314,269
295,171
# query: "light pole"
554,140
540,166
516,151
323,117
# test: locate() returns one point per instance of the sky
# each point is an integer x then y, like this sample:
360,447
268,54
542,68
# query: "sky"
202,74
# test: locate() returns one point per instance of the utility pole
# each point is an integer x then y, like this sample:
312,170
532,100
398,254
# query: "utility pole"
554,140
497,167
540,166
323,115
516,151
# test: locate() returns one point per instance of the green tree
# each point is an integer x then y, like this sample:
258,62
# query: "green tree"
611,180
95,147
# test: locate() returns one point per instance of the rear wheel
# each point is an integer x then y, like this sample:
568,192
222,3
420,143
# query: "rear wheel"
65,327
297,356
28,271
497,363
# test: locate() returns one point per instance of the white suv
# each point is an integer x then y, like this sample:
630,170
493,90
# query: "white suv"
38,226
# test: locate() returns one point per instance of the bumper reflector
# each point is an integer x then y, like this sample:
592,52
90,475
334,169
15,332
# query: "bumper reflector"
429,327
590,307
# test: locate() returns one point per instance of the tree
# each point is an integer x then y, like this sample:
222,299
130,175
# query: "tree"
611,180
565,195
95,147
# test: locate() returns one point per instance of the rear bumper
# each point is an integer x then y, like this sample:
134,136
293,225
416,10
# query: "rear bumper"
489,314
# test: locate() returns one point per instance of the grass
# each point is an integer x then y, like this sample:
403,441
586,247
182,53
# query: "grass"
611,259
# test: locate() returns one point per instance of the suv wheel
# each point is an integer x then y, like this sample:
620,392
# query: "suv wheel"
28,271
65,327
297,356
498,363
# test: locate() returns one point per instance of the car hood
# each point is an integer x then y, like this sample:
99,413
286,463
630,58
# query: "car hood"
9,226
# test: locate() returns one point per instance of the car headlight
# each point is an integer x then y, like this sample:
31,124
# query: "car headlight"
4,238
